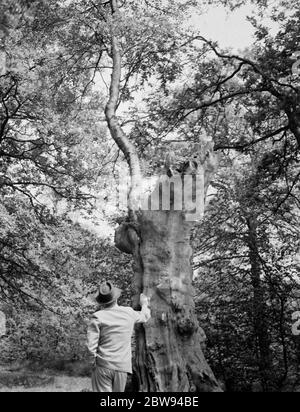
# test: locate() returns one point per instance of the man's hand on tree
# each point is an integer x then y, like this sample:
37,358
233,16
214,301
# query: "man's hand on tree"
144,300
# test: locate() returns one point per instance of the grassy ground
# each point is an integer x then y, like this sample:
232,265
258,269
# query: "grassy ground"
21,379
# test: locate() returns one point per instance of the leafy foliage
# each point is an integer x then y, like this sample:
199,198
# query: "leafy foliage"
56,157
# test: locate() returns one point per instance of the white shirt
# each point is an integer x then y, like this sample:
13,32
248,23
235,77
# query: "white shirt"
109,335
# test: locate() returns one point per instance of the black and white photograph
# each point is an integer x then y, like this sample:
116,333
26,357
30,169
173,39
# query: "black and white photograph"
149,198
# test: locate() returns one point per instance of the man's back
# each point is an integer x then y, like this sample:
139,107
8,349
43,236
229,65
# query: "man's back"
116,327
109,336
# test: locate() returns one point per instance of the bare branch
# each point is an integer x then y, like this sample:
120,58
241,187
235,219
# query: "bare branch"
117,133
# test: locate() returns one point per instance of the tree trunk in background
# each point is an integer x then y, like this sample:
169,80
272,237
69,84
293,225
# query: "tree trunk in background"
293,115
259,305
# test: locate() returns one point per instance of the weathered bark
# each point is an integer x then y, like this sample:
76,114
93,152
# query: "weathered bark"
169,355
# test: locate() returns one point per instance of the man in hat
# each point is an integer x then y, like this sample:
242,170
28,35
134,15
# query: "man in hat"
109,339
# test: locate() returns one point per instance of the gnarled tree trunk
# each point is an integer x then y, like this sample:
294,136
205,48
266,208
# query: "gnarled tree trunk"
169,355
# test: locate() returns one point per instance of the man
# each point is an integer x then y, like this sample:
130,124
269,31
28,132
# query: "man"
109,339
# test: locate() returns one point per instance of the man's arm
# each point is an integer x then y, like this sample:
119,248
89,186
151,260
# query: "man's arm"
93,335
145,314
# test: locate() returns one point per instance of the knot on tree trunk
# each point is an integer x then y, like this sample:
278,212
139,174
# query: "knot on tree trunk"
202,382
202,337
127,237
186,322
163,291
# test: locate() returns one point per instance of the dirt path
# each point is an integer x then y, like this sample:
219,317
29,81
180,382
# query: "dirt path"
22,380
60,384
